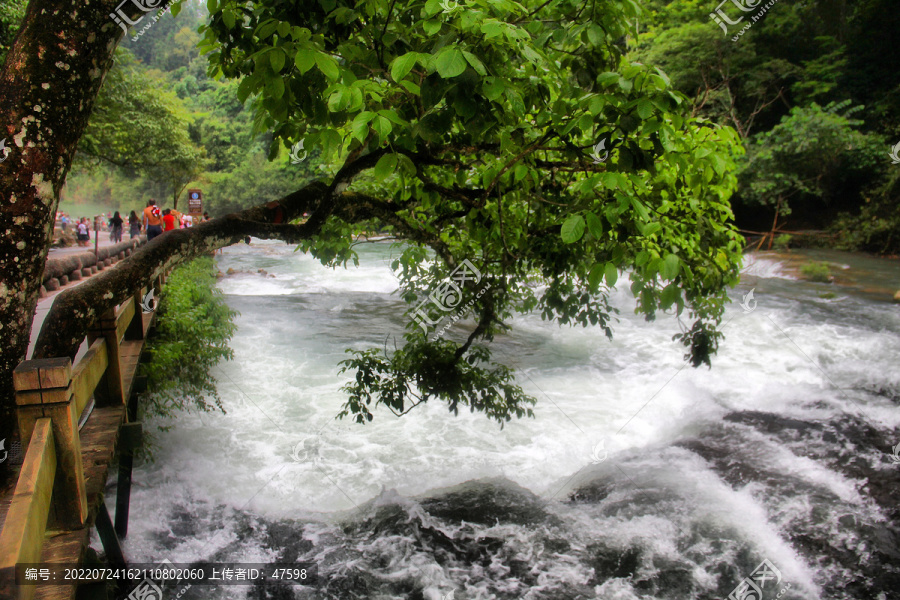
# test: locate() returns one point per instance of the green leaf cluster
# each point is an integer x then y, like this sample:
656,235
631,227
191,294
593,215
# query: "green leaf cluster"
483,124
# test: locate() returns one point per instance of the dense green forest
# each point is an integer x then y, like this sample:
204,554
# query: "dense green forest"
810,87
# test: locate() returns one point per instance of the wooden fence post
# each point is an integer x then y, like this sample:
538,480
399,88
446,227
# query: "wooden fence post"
44,389
111,390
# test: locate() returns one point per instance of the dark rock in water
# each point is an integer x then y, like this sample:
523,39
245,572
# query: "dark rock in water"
594,491
487,501
612,563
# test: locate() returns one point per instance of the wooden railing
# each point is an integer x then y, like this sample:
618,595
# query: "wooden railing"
54,401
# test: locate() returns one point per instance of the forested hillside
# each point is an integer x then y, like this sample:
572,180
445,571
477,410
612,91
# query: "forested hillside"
162,125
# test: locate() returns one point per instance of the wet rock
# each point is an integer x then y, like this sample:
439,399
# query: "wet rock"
230,271
219,274
488,502
897,296
262,272
609,562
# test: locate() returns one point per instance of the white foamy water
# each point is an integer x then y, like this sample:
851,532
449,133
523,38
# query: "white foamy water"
279,454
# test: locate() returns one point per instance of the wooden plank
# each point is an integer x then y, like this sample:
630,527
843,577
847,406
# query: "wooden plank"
108,537
123,493
88,372
62,548
26,521
42,374
98,444
131,436
26,376
131,355
124,317
148,321
109,392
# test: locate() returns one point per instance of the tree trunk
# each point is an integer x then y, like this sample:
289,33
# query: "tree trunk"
48,85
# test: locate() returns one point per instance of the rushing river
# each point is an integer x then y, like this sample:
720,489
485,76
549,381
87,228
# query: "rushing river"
637,478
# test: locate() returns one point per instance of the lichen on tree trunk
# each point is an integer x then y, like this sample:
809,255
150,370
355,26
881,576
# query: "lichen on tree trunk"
48,84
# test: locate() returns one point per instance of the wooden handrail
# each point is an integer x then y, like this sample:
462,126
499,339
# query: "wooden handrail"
52,396
124,316
23,532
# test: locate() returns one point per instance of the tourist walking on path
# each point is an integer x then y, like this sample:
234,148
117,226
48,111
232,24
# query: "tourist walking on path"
134,224
115,227
152,220
83,232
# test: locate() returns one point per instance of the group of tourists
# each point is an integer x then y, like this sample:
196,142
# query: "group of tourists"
156,221
153,222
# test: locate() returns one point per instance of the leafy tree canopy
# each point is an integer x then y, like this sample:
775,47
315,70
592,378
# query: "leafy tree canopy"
475,130
139,125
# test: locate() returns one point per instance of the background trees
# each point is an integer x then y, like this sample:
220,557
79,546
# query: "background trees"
769,85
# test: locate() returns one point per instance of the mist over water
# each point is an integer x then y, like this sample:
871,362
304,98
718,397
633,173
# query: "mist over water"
639,477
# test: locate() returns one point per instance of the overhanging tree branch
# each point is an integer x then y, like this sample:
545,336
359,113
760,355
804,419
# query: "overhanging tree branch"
77,309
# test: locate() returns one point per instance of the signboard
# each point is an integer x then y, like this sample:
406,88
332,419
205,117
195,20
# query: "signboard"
195,205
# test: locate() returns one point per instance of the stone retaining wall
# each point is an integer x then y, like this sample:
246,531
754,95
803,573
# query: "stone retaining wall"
61,270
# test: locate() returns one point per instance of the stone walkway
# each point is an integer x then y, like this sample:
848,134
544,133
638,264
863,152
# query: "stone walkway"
44,304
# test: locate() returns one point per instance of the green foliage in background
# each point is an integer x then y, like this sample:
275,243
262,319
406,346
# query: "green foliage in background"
811,153
876,228
472,131
141,127
162,125
192,336
769,85
11,14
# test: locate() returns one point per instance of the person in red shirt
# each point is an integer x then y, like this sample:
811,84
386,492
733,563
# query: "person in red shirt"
168,220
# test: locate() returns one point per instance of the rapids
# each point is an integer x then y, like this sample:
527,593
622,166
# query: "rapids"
640,477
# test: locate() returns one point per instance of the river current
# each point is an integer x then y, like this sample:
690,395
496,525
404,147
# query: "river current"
638,478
